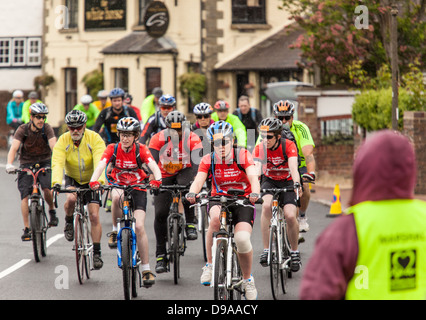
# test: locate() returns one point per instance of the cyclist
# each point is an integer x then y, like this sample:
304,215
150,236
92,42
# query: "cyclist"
78,152
126,169
128,98
37,139
203,113
222,113
231,169
156,122
109,117
149,104
91,111
284,110
102,102
177,151
279,171
32,98
14,109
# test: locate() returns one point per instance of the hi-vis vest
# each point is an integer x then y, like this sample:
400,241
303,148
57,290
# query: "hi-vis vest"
392,250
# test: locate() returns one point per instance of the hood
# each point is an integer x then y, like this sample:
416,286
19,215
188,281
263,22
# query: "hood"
384,168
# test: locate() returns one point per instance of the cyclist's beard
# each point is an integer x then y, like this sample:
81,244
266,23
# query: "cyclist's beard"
77,136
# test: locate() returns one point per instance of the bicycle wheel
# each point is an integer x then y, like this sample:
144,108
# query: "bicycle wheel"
43,236
175,251
79,247
204,227
276,273
135,275
237,276
220,290
35,230
88,248
286,274
126,261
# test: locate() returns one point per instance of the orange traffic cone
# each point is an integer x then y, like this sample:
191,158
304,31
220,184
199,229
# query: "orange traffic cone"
336,206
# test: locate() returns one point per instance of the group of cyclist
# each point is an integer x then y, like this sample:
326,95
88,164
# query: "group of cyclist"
167,150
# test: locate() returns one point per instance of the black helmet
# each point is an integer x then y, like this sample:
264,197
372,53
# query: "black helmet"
75,118
175,119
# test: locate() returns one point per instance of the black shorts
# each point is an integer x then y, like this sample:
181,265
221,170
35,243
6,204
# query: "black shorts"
246,213
285,197
139,200
25,180
89,197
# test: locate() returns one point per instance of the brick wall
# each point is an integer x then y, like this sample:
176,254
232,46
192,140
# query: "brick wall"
414,127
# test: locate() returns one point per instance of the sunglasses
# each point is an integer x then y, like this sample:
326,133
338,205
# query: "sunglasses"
286,118
40,117
166,107
221,142
75,128
203,116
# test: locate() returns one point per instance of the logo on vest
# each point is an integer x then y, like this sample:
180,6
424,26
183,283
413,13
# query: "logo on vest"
403,269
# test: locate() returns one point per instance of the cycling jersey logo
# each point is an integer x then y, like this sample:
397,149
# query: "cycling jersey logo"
403,269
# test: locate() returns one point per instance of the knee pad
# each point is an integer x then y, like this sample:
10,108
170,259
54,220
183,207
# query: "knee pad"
242,240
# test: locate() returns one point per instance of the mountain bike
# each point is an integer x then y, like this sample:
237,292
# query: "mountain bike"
227,275
37,212
128,258
176,222
279,247
83,245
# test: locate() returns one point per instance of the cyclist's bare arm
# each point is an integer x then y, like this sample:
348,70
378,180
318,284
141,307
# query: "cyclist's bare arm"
13,150
253,178
99,170
52,142
198,182
155,169
308,153
294,172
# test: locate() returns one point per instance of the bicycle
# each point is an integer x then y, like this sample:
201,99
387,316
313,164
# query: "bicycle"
203,219
279,247
83,245
38,218
227,275
128,258
176,222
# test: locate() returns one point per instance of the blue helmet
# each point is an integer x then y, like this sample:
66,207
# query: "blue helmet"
203,108
167,100
117,93
219,130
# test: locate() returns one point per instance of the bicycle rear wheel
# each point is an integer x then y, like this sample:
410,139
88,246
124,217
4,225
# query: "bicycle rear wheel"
79,247
35,230
220,290
276,273
126,261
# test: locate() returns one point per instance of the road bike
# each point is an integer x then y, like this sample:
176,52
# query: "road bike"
128,258
227,275
176,222
83,245
279,247
37,213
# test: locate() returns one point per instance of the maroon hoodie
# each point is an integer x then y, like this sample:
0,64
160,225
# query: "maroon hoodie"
384,168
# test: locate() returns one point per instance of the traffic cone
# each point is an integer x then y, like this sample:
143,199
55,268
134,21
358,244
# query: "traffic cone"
336,206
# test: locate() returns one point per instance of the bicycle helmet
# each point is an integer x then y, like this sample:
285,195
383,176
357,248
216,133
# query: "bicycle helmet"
38,108
167,100
116,93
128,124
203,108
219,130
86,99
271,125
128,98
75,118
283,108
103,94
175,119
157,92
221,105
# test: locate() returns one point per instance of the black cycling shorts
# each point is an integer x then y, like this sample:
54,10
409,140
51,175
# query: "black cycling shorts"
246,213
285,197
25,180
89,197
139,200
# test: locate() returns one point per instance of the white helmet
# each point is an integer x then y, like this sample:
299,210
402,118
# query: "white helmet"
86,99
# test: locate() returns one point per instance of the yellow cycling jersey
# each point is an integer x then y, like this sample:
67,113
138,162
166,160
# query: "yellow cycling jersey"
78,162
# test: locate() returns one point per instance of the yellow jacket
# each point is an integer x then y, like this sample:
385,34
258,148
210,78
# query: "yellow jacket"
78,162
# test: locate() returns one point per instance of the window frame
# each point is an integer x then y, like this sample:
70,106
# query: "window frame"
237,7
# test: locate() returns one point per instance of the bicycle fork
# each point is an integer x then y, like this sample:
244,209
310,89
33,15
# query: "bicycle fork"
129,224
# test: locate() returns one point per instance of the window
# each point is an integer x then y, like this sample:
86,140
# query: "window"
153,79
70,89
342,127
72,17
248,12
143,4
121,78
20,52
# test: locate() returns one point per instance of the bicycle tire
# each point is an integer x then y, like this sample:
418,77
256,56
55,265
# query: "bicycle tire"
175,251
43,223
236,274
35,230
220,290
88,248
275,271
126,261
135,275
286,255
79,248
204,227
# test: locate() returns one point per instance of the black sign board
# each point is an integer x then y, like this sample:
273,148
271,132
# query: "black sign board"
104,14
156,19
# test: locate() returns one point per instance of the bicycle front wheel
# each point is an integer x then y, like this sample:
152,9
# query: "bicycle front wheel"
237,276
204,227
220,290
175,251
35,230
276,273
88,248
79,247
126,261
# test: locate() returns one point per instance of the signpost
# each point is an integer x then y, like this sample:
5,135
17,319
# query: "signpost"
156,19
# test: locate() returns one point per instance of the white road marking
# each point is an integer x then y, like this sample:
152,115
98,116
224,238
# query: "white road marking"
53,239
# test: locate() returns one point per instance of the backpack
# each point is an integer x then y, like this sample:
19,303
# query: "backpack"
287,134
252,113
27,127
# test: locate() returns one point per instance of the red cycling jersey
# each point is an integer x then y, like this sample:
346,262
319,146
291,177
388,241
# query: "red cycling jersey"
275,167
227,174
173,160
126,169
